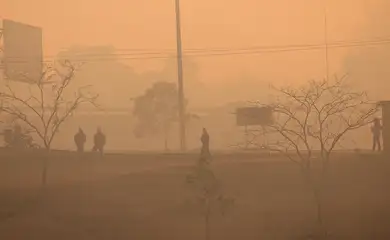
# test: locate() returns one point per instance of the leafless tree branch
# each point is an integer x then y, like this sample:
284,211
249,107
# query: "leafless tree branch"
45,109
319,113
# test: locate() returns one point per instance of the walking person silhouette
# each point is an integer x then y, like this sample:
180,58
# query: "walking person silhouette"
205,150
80,138
376,130
99,141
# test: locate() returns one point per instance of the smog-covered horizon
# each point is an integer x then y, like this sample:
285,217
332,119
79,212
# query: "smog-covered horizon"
229,46
194,119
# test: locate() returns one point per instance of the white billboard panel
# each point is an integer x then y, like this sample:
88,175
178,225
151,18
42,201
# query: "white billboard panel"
22,51
254,116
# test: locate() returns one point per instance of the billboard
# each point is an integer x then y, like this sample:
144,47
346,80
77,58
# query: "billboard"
254,116
22,51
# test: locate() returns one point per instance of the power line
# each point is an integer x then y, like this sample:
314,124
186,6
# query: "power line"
250,51
326,41
136,51
219,52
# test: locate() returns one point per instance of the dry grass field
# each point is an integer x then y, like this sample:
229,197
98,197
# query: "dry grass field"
145,196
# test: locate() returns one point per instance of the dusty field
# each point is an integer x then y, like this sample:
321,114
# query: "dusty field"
145,197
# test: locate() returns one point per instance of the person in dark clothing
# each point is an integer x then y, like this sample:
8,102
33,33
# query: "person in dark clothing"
376,130
80,138
18,137
205,139
99,141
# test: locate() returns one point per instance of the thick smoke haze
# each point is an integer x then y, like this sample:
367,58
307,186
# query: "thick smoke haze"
270,141
214,24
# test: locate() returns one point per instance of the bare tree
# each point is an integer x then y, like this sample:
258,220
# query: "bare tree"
46,105
157,110
315,118
209,194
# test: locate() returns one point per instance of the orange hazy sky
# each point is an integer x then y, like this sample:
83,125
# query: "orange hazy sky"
207,24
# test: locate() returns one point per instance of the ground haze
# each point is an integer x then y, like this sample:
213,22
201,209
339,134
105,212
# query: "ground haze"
144,196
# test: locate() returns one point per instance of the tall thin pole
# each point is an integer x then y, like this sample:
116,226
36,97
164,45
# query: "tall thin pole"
2,67
182,125
326,42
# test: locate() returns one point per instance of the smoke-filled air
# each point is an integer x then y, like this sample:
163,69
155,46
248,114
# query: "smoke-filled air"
194,120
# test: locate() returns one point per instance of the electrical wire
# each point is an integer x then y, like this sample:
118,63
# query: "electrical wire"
121,54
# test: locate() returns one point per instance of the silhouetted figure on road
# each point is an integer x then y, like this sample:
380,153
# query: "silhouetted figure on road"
99,141
205,139
80,138
18,137
376,130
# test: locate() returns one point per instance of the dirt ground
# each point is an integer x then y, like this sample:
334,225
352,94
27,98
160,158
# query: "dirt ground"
146,197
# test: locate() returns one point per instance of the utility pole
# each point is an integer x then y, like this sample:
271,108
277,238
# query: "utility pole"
326,41
2,67
182,125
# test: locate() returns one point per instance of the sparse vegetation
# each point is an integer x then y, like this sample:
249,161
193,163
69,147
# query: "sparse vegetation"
208,193
315,118
48,104
156,111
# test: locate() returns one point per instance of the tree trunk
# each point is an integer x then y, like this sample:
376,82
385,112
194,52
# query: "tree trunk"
166,138
166,142
45,167
316,188
317,200
207,220
320,217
